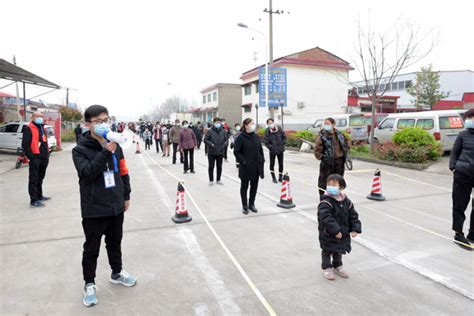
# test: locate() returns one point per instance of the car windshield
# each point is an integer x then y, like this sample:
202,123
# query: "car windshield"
50,131
357,121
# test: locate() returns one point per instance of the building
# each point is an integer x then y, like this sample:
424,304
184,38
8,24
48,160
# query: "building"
317,85
457,83
219,100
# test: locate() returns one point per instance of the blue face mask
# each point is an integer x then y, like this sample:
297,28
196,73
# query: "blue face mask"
217,125
332,190
38,120
469,124
101,129
328,128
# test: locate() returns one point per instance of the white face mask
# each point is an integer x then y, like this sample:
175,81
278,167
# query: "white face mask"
271,125
252,128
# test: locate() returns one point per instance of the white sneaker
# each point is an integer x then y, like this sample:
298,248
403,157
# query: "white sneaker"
90,297
211,183
220,183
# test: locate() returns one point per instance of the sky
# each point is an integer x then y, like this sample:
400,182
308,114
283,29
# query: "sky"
123,54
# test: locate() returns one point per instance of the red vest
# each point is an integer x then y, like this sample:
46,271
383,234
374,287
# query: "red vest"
35,138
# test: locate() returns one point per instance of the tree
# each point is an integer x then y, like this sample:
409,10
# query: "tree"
170,105
381,55
70,114
425,90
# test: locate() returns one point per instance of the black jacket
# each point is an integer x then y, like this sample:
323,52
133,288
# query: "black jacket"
91,161
216,139
275,142
335,217
324,148
26,143
249,153
462,154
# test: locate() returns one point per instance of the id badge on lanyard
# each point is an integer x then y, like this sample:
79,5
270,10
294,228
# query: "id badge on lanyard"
109,179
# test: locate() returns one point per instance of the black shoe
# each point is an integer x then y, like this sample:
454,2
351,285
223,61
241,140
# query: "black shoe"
253,208
245,210
275,180
280,178
462,242
470,236
185,171
37,204
44,198
192,171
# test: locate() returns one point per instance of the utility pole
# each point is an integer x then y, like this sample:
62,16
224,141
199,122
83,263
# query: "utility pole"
17,90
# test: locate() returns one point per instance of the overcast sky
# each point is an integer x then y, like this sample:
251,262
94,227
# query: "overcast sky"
122,54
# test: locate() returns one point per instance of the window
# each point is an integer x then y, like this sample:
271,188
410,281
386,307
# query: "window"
11,128
394,85
257,86
203,99
214,96
357,120
360,90
387,123
382,87
50,131
341,122
247,89
408,84
209,97
425,124
247,109
450,122
401,85
318,123
2,129
403,123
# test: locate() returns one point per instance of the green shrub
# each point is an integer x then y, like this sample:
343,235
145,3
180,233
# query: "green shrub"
416,143
348,136
394,152
68,136
261,132
291,139
362,149
306,135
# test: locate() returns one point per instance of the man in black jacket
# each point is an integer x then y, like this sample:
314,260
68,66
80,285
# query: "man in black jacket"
275,139
35,147
216,142
105,196
461,163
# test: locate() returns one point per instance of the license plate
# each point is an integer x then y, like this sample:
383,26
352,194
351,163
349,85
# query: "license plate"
452,137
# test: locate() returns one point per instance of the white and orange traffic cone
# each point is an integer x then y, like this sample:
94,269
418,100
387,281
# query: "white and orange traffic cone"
137,151
181,212
286,200
376,191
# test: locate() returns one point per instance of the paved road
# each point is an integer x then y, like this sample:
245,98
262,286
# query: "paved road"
224,262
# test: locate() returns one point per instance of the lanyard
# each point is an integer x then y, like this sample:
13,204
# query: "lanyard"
114,158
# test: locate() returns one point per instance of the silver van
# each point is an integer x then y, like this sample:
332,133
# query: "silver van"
354,124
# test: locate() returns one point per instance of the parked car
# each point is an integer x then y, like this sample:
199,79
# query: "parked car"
11,135
378,118
354,124
443,125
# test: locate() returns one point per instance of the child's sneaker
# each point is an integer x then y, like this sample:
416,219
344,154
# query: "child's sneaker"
90,297
329,274
123,278
341,272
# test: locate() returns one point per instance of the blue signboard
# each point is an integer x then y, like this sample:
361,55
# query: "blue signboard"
277,95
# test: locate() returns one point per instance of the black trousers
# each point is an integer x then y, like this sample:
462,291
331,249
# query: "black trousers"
225,151
147,144
215,160
188,159
35,181
175,150
94,228
244,185
462,189
326,260
326,169
280,164
199,141
158,145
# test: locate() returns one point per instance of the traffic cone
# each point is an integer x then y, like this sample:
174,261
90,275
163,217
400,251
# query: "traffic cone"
181,213
286,201
138,148
376,191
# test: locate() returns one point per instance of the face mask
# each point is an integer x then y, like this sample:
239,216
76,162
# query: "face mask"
38,120
271,125
328,128
185,126
237,128
469,123
252,128
331,190
100,129
217,125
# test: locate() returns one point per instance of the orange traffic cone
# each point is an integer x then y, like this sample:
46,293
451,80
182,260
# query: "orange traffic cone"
138,148
376,191
286,201
181,213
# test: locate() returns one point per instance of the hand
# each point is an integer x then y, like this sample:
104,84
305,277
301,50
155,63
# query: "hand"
354,234
339,235
127,205
112,146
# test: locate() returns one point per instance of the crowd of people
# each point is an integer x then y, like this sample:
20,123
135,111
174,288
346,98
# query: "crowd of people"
102,168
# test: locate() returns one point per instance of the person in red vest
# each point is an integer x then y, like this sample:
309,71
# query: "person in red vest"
35,146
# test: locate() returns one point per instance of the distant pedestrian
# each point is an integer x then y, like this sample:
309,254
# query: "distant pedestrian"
165,140
199,134
104,186
275,140
249,153
461,163
215,141
157,137
226,129
147,137
114,127
235,135
338,221
331,149
35,147
187,143
174,136
78,133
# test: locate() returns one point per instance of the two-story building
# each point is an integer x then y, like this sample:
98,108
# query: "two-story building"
317,85
220,100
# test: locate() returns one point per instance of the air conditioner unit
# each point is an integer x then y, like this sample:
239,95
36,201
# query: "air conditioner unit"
300,105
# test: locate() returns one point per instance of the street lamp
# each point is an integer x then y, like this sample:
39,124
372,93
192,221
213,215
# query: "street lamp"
245,26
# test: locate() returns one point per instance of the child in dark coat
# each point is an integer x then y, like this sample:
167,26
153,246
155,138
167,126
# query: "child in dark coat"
337,223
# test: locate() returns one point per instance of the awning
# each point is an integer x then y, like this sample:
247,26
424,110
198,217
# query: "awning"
12,72
246,105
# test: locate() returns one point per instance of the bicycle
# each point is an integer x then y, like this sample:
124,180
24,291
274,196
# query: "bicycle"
348,162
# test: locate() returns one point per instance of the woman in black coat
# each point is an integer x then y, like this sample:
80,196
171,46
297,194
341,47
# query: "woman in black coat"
249,154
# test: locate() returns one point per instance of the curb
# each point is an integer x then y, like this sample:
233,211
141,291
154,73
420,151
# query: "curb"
399,164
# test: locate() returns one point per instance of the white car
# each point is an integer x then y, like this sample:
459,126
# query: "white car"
354,124
11,135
